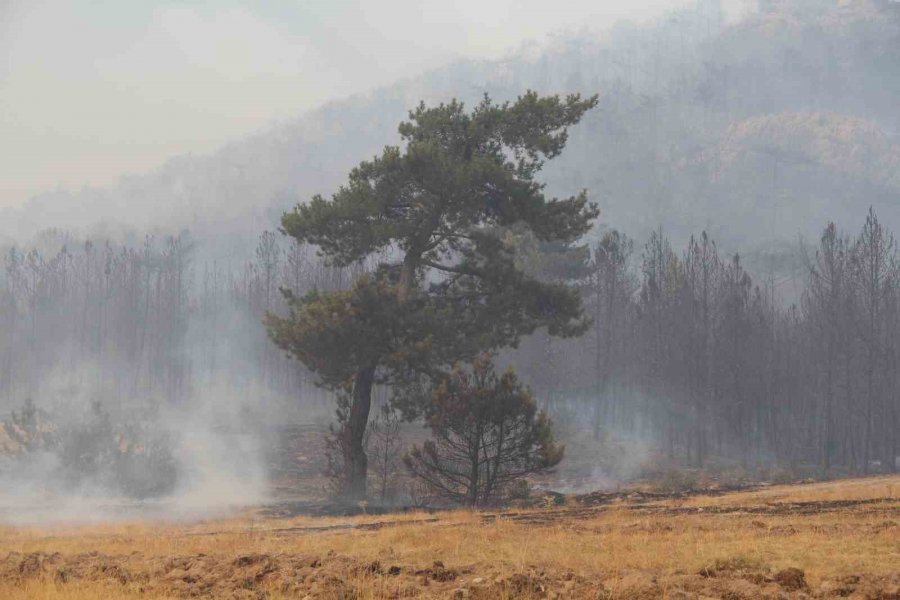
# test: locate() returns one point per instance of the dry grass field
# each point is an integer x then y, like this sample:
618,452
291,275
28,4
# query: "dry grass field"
821,540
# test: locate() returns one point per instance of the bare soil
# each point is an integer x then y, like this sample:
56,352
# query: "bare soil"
258,576
831,540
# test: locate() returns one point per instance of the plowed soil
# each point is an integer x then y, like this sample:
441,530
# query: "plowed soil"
834,540
261,576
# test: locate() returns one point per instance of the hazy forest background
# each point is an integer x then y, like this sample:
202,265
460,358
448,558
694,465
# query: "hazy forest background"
734,326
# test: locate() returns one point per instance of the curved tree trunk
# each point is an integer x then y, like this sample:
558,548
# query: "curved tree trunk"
355,461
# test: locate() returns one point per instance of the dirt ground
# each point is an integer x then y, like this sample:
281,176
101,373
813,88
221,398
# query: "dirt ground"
825,540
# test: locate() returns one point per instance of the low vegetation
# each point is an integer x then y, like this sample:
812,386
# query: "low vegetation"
487,436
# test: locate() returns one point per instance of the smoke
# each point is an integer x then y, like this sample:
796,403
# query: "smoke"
601,454
77,457
154,389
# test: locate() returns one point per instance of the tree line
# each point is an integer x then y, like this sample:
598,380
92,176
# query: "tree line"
690,349
148,321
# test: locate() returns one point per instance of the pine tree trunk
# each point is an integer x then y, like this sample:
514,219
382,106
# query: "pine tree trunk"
355,461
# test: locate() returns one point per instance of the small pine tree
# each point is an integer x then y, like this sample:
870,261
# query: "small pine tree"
488,435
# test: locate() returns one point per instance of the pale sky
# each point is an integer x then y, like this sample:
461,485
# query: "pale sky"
91,89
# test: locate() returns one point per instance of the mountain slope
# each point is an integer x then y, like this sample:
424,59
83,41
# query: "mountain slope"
691,111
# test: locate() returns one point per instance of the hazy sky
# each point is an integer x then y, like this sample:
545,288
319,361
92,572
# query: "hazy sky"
91,89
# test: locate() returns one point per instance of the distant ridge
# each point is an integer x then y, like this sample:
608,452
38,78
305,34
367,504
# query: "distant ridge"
690,108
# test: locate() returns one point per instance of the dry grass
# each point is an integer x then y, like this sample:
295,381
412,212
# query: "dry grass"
607,545
842,489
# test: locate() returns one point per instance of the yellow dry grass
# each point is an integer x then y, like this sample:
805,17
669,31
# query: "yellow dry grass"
841,489
602,544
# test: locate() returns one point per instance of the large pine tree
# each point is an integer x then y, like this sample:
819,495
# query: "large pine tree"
433,213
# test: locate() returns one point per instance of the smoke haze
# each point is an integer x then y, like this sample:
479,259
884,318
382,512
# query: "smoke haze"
147,171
